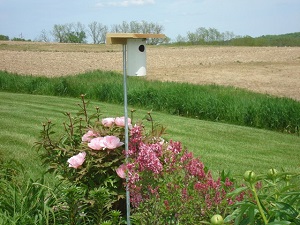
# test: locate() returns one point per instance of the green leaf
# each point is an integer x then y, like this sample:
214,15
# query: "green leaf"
286,189
279,223
232,216
251,214
287,209
237,191
245,206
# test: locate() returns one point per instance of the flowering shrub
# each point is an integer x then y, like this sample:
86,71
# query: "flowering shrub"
90,155
167,184
85,158
162,174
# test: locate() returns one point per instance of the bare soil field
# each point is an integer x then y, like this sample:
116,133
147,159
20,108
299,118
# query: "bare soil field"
270,70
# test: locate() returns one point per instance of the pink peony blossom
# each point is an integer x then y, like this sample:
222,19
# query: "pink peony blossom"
120,121
96,143
121,171
108,122
87,137
77,160
111,142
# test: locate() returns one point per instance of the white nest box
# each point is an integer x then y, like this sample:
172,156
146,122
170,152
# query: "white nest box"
136,57
136,61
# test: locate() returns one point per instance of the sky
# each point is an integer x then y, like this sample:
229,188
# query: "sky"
27,18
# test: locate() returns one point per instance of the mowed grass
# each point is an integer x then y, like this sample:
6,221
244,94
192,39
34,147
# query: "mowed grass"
220,146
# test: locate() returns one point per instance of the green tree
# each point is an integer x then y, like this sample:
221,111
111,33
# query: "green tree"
59,33
69,33
180,39
76,37
192,38
208,36
4,38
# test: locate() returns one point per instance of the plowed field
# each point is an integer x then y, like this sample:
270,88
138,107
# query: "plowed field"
271,70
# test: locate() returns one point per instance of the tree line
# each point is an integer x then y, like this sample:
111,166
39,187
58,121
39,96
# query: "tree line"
204,35
290,39
95,32
211,36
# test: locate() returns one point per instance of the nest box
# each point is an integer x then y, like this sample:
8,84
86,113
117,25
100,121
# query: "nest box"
136,60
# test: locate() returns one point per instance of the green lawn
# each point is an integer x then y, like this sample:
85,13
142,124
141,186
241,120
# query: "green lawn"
220,146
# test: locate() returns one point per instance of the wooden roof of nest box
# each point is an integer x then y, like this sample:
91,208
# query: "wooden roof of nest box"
121,38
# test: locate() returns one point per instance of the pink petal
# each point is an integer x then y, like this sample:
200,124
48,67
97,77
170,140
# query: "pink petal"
108,122
121,171
77,160
88,136
120,121
111,142
96,143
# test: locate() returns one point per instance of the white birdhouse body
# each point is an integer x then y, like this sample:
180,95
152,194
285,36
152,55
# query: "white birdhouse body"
136,50
136,57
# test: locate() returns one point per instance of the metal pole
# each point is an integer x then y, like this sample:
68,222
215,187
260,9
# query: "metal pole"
126,129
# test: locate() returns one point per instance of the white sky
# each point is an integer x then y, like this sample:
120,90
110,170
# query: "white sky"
242,17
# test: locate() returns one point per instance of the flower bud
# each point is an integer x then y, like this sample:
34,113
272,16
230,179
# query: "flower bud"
272,173
249,176
217,220
287,177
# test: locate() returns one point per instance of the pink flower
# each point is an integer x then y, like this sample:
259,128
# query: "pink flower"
196,168
121,171
77,160
175,147
120,121
96,143
88,136
111,142
147,159
108,122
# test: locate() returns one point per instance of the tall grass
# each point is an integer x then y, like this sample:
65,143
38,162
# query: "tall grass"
205,102
23,200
